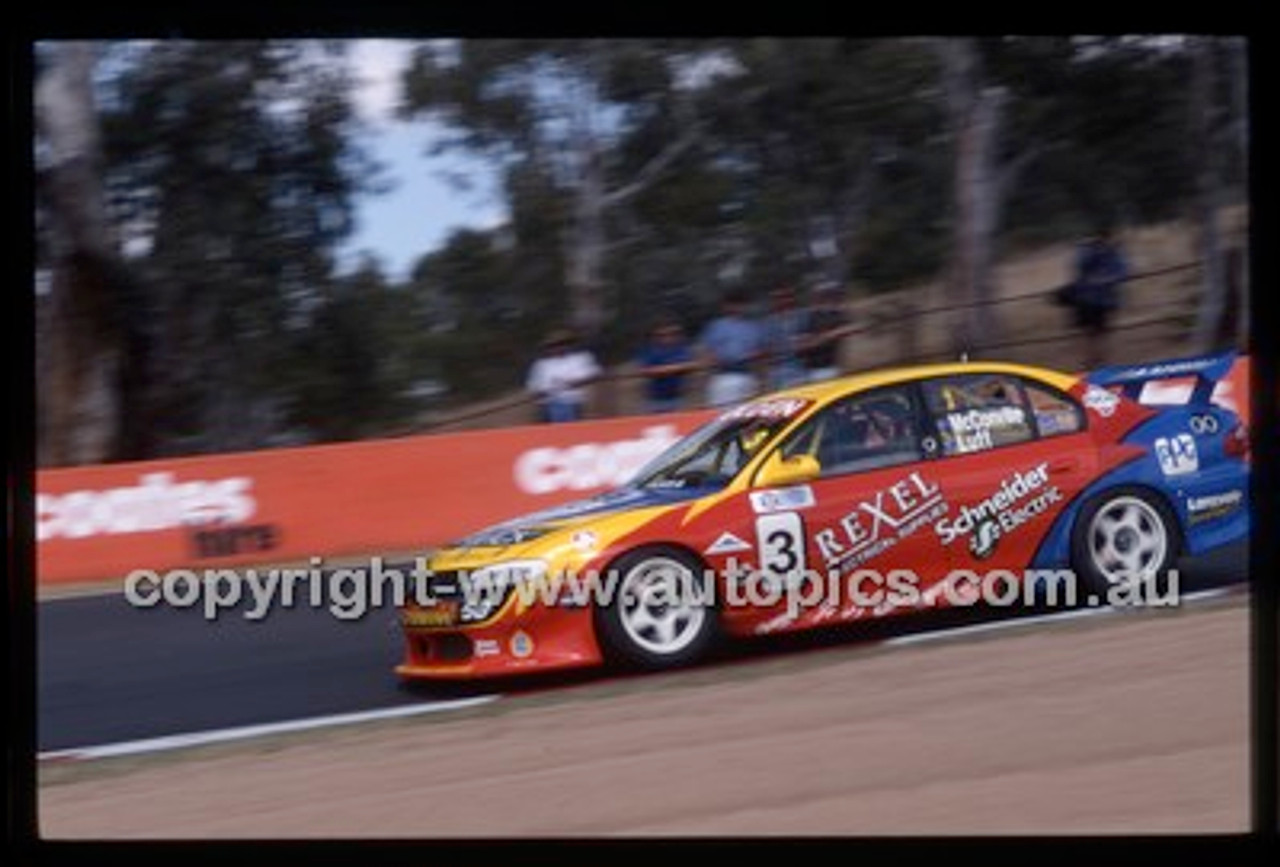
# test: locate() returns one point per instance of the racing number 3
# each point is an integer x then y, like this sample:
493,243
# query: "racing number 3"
780,539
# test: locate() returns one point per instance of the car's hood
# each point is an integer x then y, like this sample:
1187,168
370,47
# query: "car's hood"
517,533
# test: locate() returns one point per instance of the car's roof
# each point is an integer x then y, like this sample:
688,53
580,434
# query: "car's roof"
824,391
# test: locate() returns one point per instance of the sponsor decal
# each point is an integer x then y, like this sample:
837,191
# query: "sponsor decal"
877,524
983,541
1177,454
440,614
520,645
583,540
1210,506
776,408
1009,507
1178,393
157,502
727,543
502,535
590,465
1203,423
236,539
972,428
487,647
782,499
1165,369
1053,422
1101,401
773,624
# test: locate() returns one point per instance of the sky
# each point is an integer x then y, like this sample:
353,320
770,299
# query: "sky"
418,214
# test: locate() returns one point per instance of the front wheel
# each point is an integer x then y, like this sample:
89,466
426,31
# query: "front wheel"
661,614
1124,534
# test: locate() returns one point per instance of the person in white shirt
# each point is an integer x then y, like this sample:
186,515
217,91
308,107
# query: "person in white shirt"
560,377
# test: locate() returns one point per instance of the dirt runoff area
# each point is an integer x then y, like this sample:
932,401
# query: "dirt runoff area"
1130,723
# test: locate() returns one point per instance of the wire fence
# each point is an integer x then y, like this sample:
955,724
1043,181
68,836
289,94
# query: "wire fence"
908,322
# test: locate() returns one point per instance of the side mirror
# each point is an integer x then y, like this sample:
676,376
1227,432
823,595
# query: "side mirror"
777,471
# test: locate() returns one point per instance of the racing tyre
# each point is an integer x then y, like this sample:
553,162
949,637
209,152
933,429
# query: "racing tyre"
661,614
1125,533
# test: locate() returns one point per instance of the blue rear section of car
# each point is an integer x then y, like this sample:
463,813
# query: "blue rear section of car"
1183,459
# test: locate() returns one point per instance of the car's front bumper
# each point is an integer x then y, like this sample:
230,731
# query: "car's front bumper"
539,638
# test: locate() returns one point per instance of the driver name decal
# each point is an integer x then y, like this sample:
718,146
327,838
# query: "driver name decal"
972,428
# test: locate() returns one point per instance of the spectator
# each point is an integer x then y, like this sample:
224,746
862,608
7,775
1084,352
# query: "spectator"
783,331
1094,293
732,345
666,360
559,377
825,326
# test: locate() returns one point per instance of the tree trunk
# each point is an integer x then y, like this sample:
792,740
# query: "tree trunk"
584,255
81,353
586,238
975,118
1208,193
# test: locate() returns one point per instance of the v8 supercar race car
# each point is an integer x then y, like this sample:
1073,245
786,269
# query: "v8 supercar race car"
926,472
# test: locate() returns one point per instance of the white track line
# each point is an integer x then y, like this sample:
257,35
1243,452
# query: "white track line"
217,736
1071,614
195,739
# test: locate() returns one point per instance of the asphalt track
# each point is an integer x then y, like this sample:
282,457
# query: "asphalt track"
108,672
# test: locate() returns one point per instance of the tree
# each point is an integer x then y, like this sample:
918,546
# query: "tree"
827,142
475,317
975,110
231,170
564,110
88,349
1216,85
352,368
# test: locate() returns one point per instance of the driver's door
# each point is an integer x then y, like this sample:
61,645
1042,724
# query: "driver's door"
868,513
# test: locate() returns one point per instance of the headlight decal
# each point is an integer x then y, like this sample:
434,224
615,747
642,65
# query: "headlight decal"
486,589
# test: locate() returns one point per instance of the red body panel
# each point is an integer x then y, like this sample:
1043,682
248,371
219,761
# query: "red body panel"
977,511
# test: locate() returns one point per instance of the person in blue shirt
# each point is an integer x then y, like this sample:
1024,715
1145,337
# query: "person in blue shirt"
1100,269
732,345
666,360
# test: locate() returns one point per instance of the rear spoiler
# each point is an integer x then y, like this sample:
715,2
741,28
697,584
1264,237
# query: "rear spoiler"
1207,370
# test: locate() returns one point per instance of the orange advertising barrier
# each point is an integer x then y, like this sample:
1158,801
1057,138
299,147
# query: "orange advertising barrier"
288,505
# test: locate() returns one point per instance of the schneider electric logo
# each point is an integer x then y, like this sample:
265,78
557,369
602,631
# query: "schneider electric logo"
157,502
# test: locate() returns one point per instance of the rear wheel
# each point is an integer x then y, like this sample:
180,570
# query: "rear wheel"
659,616
1125,534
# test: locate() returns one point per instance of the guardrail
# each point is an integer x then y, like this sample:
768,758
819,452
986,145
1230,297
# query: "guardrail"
910,322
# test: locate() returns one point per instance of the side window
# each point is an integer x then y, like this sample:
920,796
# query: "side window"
863,432
1055,413
974,412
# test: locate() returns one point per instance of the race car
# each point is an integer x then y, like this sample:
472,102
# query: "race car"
926,474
